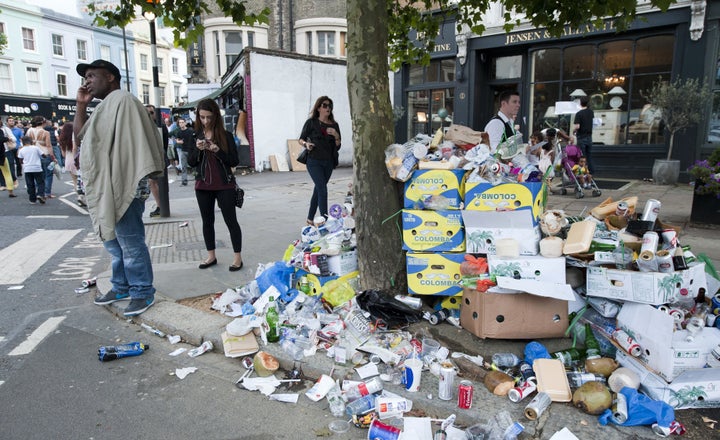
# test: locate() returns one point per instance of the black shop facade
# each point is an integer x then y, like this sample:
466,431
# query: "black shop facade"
611,68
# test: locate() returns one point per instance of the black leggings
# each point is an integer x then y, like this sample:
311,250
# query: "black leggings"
226,202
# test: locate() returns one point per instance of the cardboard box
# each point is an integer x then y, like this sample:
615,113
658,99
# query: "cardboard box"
344,263
535,267
653,288
506,197
698,388
512,315
444,186
294,149
433,231
665,350
483,228
434,274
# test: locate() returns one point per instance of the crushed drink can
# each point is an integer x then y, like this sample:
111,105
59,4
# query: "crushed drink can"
439,316
89,282
465,394
621,209
446,383
411,301
620,409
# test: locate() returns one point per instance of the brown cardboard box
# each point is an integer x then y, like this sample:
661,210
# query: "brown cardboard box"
512,316
294,148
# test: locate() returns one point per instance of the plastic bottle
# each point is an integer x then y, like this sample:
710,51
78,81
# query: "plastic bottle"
505,359
361,405
696,322
592,346
337,404
371,386
502,427
112,352
576,379
293,350
273,321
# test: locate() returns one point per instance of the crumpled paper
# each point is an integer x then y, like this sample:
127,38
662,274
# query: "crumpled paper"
182,373
266,385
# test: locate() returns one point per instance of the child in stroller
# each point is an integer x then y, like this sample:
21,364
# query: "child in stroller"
575,173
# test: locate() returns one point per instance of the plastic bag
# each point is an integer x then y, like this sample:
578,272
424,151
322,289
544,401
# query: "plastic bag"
338,292
641,410
382,306
277,275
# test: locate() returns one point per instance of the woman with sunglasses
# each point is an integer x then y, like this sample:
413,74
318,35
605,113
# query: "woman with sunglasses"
321,136
214,156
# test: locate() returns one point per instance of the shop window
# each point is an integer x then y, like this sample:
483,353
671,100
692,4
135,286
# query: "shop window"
429,110
506,67
613,75
714,122
416,75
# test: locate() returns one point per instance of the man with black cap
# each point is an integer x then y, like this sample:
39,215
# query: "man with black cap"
119,148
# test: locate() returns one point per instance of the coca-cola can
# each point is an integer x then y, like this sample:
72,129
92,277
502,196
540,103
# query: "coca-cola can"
446,383
465,394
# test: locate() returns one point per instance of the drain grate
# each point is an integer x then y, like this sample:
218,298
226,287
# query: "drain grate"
186,243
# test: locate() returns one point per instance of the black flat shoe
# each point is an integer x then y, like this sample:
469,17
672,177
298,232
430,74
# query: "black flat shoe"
234,268
205,265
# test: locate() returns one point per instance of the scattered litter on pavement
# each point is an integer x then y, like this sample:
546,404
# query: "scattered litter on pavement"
182,373
112,352
178,352
266,385
564,434
16,287
183,225
203,348
152,330
81,290
174,339
287,398
159,246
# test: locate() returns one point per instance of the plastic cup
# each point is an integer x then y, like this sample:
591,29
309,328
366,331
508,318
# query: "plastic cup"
623,257
411,374
429,347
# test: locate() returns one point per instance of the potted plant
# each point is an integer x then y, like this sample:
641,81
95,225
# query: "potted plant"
681,103
706,196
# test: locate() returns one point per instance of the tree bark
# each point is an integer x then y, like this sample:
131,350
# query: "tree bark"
376,196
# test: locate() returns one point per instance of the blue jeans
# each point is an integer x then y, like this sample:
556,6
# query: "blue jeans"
131,266
58,155
47,175
320,172
182,159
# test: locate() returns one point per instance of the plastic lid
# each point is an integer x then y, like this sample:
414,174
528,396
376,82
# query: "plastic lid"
339,426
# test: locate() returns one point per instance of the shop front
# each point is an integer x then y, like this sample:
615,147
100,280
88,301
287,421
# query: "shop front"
612,69
24,108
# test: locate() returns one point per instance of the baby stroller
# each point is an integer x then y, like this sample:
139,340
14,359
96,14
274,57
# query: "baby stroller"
571,154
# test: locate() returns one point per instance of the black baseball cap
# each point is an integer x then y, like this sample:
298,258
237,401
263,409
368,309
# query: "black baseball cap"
99,64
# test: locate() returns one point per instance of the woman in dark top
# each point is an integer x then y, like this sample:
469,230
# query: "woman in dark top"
321,136
213,156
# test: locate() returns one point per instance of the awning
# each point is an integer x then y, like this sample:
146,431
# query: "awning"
214,95
25,107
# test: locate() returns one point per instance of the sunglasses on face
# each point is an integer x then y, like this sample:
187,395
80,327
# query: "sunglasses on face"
327,105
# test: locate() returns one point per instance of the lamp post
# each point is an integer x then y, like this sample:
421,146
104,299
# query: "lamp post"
162,181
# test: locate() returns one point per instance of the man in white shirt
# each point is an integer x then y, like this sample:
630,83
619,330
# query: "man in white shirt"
501,126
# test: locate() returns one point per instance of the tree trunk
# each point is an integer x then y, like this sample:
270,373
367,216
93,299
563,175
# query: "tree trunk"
376,196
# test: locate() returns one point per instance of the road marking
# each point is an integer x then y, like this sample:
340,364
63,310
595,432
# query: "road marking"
22,258
37,336
2,338
71,204
2,382
47,216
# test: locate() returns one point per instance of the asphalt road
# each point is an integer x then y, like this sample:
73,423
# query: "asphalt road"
51,382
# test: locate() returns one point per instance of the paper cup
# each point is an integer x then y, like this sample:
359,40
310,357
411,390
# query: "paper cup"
412,373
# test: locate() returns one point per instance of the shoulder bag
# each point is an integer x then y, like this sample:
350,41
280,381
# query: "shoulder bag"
303,156
239,195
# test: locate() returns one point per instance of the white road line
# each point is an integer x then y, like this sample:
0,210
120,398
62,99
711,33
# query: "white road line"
71,204
47,216
2,338
22,258
2,382
37,336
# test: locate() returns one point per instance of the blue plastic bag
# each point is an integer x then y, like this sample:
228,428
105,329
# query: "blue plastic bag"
277,275
535,350
641,410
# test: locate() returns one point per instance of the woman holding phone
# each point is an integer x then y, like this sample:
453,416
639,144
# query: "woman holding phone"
214,156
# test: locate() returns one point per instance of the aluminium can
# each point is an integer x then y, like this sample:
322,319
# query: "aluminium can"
651,211
537,406
627,342
89,282
621,209
522,391
465,394
446,383
650,242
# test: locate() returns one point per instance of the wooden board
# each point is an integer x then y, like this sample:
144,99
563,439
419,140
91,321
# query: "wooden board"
294,148
278,163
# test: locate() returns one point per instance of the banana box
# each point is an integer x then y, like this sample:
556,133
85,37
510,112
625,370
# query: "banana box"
435,189
484,229
506,197
433,231
434,273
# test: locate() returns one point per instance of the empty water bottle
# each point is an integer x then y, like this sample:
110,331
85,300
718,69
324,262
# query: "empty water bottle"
337,404
502,427
505,360
361,405
293,350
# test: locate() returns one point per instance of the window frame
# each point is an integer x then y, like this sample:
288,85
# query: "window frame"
8,78
28,40
81,52
144,62
30,88
62,86
58,46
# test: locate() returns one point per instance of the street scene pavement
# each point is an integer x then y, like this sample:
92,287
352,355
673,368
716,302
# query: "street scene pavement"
272,218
